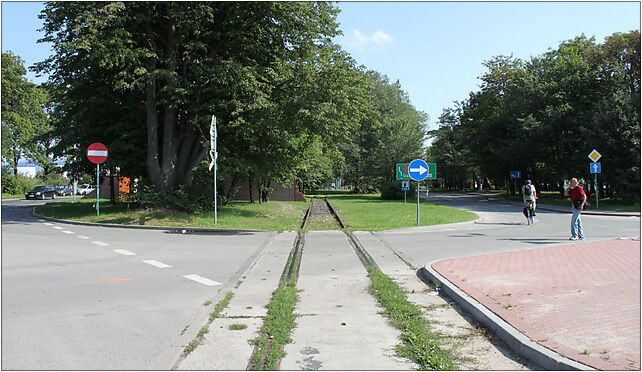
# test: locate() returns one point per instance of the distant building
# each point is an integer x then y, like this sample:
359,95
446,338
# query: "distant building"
27,170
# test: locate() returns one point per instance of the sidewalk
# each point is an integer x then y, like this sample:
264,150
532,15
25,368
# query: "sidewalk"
580,300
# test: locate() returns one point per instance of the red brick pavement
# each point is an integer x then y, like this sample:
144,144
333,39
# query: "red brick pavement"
581,300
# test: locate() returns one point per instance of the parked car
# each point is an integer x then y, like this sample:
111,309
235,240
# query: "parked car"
64,190
85,189
41,192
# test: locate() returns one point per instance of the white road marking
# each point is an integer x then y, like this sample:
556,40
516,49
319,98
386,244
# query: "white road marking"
200,279
156,263
57,227
82,237
48,223
101,244
126,253
68,232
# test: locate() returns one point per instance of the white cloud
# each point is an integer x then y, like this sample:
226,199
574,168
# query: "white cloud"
378,38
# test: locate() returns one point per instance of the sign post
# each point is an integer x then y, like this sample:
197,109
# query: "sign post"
418,171
405,186
214,156
515,175
595,169
97,153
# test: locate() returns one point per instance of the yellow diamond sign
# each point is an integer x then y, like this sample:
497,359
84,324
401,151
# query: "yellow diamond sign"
594,156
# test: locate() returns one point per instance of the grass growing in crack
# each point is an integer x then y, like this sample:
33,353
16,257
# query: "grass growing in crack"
203,331
237,326
279,322
419,343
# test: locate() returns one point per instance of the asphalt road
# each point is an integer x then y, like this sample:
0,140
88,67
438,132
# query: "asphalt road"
502,228
81,297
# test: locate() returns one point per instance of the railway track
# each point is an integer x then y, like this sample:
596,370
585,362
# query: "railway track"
321,209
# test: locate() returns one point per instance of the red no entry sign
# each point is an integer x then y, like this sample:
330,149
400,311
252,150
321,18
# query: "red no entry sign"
97,153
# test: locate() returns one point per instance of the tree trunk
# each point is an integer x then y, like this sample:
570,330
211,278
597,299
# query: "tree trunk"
250,190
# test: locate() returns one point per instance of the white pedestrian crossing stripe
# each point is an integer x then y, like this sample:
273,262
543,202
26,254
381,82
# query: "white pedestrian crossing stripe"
124,252
202,280
156,263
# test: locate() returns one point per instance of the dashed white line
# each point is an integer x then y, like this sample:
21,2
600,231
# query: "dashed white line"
125,252
68,232
57,227
101,244
48,223
82,237
202,280
156,263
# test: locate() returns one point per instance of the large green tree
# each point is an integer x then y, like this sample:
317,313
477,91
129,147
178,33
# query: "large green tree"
145,78
545,115
24,121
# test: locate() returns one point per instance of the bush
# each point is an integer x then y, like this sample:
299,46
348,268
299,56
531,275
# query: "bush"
18,184
392,190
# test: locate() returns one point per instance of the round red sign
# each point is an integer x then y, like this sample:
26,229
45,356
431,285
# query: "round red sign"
97,153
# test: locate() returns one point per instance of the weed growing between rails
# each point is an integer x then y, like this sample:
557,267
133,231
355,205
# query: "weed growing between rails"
419,344
280,319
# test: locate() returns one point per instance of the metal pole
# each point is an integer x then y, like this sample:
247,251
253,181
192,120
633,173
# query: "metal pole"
97,189
404,196
597,191
215,197
417,203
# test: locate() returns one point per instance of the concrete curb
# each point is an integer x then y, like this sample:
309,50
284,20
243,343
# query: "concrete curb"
143,227
518,342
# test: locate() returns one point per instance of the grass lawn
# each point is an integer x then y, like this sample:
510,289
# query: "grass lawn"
358,212
275,215
12,196
371,213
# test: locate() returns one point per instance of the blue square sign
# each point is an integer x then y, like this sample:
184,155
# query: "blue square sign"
595,168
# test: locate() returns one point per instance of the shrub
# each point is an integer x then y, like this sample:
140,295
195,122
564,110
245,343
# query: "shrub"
392,190
17,184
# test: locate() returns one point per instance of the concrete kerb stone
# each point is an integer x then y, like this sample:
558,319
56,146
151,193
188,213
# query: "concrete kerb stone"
142,227
517,341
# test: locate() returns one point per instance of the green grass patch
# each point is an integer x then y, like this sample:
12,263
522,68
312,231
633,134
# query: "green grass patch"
371,213
203,331
6,195
419,344
237,326
274,215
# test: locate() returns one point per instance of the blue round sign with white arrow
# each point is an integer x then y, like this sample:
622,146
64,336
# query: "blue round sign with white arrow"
418,170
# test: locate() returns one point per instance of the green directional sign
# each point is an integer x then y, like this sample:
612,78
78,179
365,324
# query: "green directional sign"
432,171
402,171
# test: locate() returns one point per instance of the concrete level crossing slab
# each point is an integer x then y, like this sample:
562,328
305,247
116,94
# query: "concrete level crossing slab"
229,348
339,327
255,290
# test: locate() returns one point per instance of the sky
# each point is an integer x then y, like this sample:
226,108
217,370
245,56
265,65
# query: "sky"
434,49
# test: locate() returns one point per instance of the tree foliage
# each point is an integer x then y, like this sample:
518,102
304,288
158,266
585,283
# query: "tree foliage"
545,115
25,128
145,77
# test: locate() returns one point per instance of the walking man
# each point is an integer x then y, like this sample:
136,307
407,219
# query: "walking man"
578,198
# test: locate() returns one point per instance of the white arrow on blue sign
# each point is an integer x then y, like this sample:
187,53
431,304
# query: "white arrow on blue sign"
418,170
595,168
